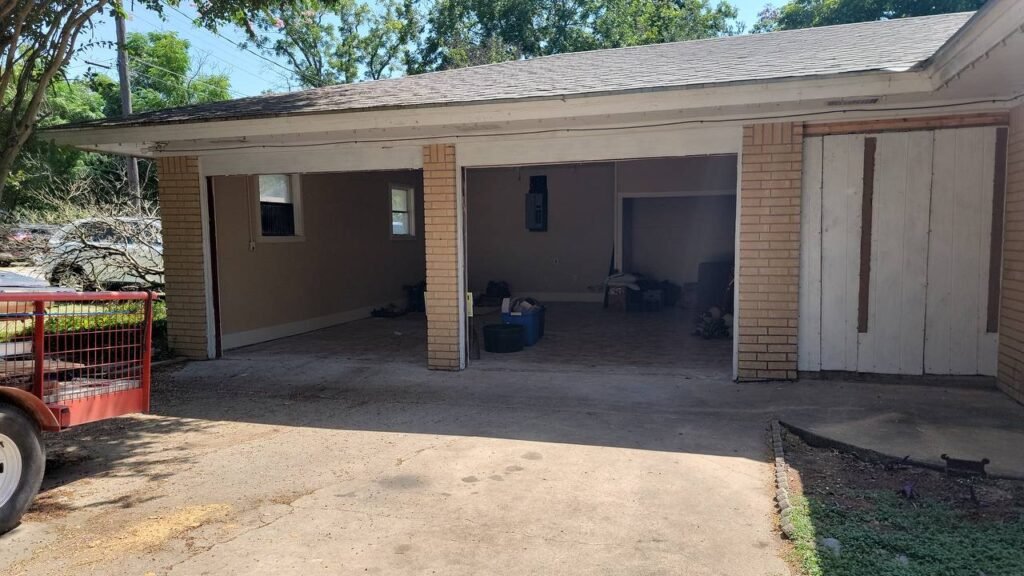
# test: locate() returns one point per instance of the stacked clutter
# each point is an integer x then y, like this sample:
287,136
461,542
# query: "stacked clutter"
525,312
522,324
631,292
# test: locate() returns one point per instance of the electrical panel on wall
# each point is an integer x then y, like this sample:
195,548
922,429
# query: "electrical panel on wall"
537,204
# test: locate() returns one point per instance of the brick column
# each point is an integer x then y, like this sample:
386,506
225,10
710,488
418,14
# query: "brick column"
769,259
440,221
1010,374
181,215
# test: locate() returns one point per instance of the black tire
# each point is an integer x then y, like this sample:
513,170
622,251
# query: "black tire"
19,429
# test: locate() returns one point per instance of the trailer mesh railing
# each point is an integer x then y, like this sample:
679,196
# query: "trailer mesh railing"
85,354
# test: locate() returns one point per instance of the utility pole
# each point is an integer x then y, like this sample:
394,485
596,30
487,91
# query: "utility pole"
126,105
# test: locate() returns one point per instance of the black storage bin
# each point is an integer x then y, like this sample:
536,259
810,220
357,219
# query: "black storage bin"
502,338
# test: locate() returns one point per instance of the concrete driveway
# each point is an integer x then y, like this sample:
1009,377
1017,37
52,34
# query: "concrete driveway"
286,458
291,464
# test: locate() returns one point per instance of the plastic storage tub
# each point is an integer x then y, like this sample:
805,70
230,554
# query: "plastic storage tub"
502,338
532,322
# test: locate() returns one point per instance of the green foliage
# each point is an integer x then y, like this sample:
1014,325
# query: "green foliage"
162,74
98,317
470,32
810,13
935,538
328,42
51,183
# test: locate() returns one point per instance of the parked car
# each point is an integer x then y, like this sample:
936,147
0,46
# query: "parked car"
25,243
111,253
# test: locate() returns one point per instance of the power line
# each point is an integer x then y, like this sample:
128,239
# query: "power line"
184,76
198,39
240,47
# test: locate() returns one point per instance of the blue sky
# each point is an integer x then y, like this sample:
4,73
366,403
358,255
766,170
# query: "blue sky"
250,75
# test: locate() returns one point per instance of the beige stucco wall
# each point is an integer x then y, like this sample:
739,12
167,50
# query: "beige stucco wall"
570,256
668,238
346,261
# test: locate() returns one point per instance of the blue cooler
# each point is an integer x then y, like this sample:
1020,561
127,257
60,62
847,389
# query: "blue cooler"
532,322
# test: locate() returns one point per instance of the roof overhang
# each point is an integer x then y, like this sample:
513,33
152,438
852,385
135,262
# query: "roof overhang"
749,99
978,69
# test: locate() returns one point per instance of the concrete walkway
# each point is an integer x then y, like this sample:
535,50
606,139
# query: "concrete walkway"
920,420
297,463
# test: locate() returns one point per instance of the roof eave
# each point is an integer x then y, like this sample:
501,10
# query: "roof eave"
748,92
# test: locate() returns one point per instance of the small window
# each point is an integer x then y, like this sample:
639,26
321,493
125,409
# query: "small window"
403,214
278,201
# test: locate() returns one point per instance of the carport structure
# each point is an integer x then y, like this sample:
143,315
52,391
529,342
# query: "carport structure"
778,103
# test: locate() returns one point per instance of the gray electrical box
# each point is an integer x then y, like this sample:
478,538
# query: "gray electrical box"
537,204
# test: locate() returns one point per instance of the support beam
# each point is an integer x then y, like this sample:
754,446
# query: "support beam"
184,271
769,258
440,221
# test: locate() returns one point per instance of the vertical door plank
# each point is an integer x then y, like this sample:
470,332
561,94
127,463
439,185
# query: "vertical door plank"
988,343
809,348
842,187
894,342
915,253
940,256
956,341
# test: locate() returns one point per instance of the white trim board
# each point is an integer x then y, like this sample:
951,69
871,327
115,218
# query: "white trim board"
258,335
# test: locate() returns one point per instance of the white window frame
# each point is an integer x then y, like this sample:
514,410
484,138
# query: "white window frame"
295,188
410,199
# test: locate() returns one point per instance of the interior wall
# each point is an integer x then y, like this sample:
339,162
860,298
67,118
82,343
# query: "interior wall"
571,259
345,263
572,255
668,238
685,174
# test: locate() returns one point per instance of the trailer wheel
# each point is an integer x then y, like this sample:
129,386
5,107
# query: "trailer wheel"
22,460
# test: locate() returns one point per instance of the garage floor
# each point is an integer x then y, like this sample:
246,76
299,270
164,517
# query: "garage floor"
587,335
577,335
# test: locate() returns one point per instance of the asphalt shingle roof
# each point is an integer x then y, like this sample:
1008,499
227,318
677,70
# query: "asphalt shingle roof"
893,45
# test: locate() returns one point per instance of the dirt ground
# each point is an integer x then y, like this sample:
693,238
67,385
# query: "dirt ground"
865,514
833,474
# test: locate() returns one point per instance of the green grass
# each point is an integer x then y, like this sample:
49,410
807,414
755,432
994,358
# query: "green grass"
936,539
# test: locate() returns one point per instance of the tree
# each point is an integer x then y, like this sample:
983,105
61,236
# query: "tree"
811,13
162,75
470,32
328,42
39,39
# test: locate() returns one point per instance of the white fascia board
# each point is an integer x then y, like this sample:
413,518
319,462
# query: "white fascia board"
599,146
996,21
480,115
337,158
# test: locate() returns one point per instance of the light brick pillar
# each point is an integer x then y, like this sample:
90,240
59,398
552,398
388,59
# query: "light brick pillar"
440,221
1011,305
181,215
769,259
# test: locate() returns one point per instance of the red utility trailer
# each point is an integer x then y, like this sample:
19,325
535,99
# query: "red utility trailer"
66,358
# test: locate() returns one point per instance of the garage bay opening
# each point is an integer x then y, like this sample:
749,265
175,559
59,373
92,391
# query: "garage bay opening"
337,255
613,264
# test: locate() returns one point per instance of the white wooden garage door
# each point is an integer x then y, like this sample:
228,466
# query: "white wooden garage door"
925,310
